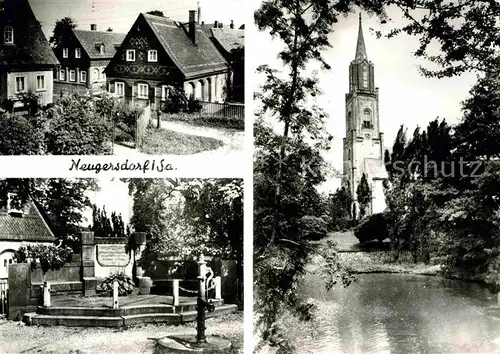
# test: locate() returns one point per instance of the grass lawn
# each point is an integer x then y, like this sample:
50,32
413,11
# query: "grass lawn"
206,121
166,142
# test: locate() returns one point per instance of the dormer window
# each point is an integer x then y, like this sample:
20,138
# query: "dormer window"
8,35
11,208
78,52
65,52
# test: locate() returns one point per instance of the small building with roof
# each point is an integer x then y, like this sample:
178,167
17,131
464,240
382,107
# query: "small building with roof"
84,54
230,42
20,225
159,54
26,59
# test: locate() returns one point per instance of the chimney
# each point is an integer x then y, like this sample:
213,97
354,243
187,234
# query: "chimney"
231,25
93,27
202,22
216,24
221,25
199,12
192,26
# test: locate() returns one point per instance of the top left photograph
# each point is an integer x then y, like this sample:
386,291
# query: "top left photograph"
104,77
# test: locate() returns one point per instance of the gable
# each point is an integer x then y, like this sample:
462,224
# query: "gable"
30,227
90,40
30,47
192,59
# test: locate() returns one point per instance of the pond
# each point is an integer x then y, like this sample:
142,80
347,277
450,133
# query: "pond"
397,313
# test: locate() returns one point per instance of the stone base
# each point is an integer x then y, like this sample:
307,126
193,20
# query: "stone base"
188,344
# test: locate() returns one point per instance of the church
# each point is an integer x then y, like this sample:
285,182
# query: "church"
363,142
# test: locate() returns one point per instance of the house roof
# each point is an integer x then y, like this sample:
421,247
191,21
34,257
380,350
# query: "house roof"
29,227
91,39
30,45
192,59
228,38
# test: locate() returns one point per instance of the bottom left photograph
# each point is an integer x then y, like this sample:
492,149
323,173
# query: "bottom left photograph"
121,265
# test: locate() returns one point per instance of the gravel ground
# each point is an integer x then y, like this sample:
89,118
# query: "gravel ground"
15,337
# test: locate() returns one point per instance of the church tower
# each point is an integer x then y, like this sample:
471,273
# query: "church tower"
363,142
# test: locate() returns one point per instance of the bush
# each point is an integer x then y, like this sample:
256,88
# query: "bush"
50,257
125,284
194,106
373,227
312,227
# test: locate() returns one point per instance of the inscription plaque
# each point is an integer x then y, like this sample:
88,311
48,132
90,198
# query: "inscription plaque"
112,255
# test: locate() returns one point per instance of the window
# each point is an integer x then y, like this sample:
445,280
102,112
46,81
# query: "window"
65,52
20,84
101,49
367,119
142,91
130,54
8,35
152,55
120,88
72,75
365,77
83,76
40,83
62,75
78,52
164,93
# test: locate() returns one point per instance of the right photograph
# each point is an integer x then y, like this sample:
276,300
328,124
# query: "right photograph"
376,177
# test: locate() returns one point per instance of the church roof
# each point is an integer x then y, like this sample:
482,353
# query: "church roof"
375,169
360,46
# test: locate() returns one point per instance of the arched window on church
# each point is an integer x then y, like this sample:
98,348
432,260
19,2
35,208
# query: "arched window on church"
367,119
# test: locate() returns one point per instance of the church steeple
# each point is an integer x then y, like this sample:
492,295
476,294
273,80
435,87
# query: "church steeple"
360,47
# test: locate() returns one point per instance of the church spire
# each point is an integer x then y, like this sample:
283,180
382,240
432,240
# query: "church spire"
360,47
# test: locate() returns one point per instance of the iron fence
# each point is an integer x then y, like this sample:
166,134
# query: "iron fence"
4,292
206,109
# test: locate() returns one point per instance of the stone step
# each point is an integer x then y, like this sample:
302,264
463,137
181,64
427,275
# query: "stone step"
170,318
34,318
104,311
190,316
191,305
72,321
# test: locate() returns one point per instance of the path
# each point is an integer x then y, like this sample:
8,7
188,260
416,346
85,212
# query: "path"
17,338
347,242
233,140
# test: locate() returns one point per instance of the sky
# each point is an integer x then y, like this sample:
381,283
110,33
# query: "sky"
121,14
112,194
405,97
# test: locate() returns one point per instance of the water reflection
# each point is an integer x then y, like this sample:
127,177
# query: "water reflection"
394,313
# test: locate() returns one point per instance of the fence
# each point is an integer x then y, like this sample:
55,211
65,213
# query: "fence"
207,109
142,124
223,110
4,292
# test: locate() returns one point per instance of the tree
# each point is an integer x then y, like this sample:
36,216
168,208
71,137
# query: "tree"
156,13
108,226
364,194
288,165
61,30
